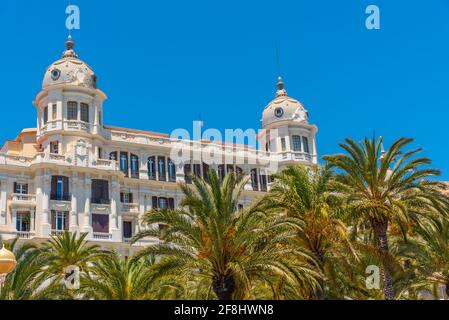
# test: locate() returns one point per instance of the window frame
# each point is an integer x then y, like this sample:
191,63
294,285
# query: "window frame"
84,112
72,111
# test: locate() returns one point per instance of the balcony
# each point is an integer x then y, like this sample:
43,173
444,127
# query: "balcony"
60,197
23,199
24,234
56,233
102,236
130,208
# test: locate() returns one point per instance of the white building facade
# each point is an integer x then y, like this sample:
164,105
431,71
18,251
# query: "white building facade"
74,173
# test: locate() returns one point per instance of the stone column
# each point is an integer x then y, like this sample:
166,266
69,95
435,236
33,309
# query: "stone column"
3,201
73,224
46,190
115,218
87,220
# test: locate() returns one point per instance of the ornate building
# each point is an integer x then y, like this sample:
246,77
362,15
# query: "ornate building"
74,173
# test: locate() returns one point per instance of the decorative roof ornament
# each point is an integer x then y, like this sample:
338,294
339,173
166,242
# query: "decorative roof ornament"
281,92
70,53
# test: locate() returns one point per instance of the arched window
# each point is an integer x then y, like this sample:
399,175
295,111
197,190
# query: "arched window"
161,168
151,168
134,166
296,142
171,168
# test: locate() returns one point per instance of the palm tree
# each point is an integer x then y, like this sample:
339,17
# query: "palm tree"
113,277
27,281
428,253
384,188
220,246
307,200
66,250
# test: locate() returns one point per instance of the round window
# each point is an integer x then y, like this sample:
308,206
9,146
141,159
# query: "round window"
55,74
279,112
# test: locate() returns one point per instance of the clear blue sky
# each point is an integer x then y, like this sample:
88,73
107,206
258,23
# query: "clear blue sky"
164,63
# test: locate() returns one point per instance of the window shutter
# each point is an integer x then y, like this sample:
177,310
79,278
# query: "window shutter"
122,197
15,187
53,220
54,184
206,172
171,203
131,198
154,202
105,191
187,172
25,189
66,221
66,186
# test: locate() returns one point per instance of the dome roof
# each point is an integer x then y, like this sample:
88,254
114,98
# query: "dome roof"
284,108
7,261
70,70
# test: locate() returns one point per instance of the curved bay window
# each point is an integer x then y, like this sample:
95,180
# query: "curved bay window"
161,168
134,166
60,188
171,168
296,142
254,180
151,164
84,112
124,163
305,145
72,110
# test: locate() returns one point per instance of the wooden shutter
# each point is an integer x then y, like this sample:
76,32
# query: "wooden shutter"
25,188
54,184
66,221
65,181
171,203
15,188
53,220
122,198
130,197
206,172
154,202
187,173
105,191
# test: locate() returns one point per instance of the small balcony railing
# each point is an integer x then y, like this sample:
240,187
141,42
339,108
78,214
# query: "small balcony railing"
102,236
130,207
100,201
60,197
24,234
23,197
56,233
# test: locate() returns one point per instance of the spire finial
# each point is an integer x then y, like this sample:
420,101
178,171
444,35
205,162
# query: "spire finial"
281,92
69,43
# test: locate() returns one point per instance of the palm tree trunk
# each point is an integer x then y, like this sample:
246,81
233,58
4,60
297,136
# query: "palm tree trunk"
223,286
380,232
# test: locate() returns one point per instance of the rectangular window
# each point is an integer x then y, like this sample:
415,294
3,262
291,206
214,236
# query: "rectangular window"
20,188
296,141
171,168
100,153
100,223
127,229
126,197
124,163
161,168
100,191
151,166
113,156
263,183
187,173
162,203
283,145
54,147
59,220
54,111
305,145
72,110
254,180
45,115
23,222
134,166
60,188
84,107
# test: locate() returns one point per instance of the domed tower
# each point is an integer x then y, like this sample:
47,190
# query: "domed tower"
69,103
287,130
